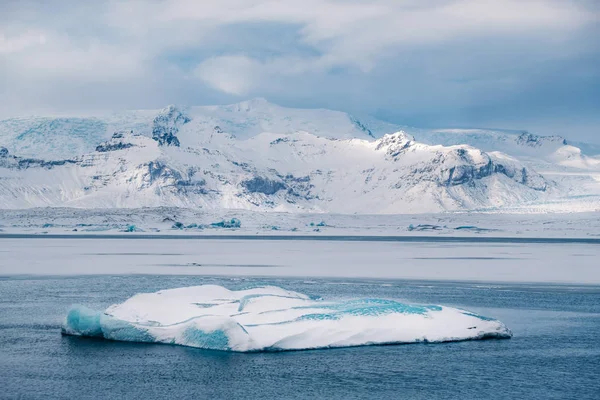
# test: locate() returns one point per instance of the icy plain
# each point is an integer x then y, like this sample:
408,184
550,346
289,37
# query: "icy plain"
185,222
425,258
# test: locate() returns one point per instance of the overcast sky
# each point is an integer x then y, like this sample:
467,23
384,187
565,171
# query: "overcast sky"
523,64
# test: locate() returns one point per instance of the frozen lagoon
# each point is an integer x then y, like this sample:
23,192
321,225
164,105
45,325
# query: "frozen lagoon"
471,259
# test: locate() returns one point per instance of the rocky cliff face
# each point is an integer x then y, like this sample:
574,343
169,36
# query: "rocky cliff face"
455,165
166,126
531,140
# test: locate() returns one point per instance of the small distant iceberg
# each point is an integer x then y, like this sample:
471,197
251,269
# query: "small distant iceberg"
274,319
425,227
475,229
232,223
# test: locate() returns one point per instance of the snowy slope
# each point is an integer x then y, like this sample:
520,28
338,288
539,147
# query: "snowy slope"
576,170
61,137
512,142
281,172
527,147
258,156
249,118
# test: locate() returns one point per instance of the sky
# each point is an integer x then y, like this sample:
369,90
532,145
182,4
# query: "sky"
514,64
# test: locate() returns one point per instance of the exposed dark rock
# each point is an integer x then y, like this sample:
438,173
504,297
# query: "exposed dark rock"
531,140
159,171
298,187
105,147
361,126
3,152
166,125
278,141
243,165
469,173
263,185
165,177
24,163
301,179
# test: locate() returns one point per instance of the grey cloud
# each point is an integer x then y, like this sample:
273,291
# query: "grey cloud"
438,62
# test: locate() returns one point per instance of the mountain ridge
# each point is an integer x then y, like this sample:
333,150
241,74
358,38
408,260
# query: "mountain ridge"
259,156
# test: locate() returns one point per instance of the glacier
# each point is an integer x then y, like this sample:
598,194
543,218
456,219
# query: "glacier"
274,319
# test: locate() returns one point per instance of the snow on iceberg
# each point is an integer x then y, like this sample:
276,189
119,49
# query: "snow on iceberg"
273,319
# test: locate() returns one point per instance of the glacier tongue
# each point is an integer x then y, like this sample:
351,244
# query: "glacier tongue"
274,319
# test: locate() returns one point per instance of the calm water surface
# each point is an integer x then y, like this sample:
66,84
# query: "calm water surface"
554,352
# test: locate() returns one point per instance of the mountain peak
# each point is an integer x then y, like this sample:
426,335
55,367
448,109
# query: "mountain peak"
531,140
396,139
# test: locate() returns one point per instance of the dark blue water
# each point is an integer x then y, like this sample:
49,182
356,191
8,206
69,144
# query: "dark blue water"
554,353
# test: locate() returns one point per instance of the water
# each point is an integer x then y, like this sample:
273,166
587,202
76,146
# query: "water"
554,352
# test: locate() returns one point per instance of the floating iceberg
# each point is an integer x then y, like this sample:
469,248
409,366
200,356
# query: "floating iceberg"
425,227
233,223
273,319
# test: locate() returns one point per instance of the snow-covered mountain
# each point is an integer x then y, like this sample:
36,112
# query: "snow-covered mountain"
60,137
259,156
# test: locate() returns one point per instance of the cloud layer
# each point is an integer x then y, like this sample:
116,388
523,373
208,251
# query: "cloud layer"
505,63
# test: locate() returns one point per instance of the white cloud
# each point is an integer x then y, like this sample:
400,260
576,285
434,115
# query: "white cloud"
236,75
438,53
21,42
343,33
240,75
359,34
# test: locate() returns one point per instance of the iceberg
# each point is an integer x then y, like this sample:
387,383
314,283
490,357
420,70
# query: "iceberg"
274,319
233,223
